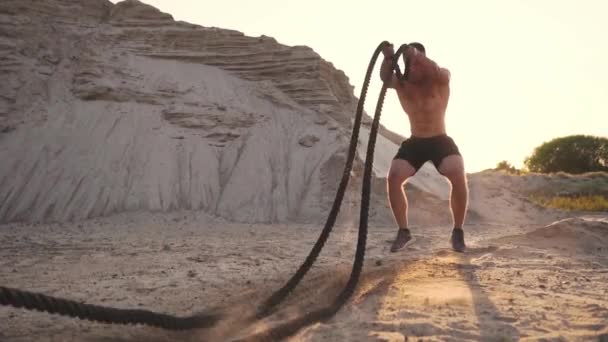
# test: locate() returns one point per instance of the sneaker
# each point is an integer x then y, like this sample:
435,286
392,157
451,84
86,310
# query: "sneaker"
458,240
403,238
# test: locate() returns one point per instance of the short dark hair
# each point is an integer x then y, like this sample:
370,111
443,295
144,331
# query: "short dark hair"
418,46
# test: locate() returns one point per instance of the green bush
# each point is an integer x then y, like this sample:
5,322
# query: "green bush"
573,154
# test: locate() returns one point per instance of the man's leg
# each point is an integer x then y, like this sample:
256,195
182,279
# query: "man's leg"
452,167
400,171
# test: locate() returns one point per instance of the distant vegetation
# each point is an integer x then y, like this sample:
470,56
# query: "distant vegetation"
573,154
579,165
507,167
587,192
579,202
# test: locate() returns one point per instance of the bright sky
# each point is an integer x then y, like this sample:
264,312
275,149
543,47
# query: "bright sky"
523,71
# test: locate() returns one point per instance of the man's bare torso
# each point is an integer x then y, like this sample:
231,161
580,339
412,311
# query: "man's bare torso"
425,97
425,106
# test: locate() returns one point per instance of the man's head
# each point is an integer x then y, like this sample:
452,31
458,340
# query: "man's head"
418,46
416,62
414,49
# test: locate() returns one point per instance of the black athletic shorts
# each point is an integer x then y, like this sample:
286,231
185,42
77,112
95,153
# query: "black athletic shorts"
418,151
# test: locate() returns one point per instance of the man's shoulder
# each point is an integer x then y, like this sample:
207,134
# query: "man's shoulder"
445,74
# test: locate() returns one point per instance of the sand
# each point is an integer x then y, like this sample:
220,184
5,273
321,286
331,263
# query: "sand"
515,282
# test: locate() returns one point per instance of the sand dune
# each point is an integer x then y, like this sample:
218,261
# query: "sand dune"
572,237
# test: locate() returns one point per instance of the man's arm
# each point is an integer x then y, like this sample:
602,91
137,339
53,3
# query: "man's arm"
444,75
387,74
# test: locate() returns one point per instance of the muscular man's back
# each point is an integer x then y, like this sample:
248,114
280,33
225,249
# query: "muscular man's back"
425,105
424,95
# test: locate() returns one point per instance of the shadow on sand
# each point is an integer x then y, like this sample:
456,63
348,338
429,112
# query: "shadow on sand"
493,325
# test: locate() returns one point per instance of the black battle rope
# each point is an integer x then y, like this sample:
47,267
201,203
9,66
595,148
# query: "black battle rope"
103,314
35,301
282,293
288,329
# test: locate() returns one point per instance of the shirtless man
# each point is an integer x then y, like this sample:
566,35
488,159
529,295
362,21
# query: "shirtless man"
424,98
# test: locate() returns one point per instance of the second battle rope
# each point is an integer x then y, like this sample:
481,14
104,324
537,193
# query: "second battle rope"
282,293
288,329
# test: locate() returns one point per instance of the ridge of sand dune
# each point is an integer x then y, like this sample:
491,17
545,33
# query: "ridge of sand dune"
574,236
118,108
104,157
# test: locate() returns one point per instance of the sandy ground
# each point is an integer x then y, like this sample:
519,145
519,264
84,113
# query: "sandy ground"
546,282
